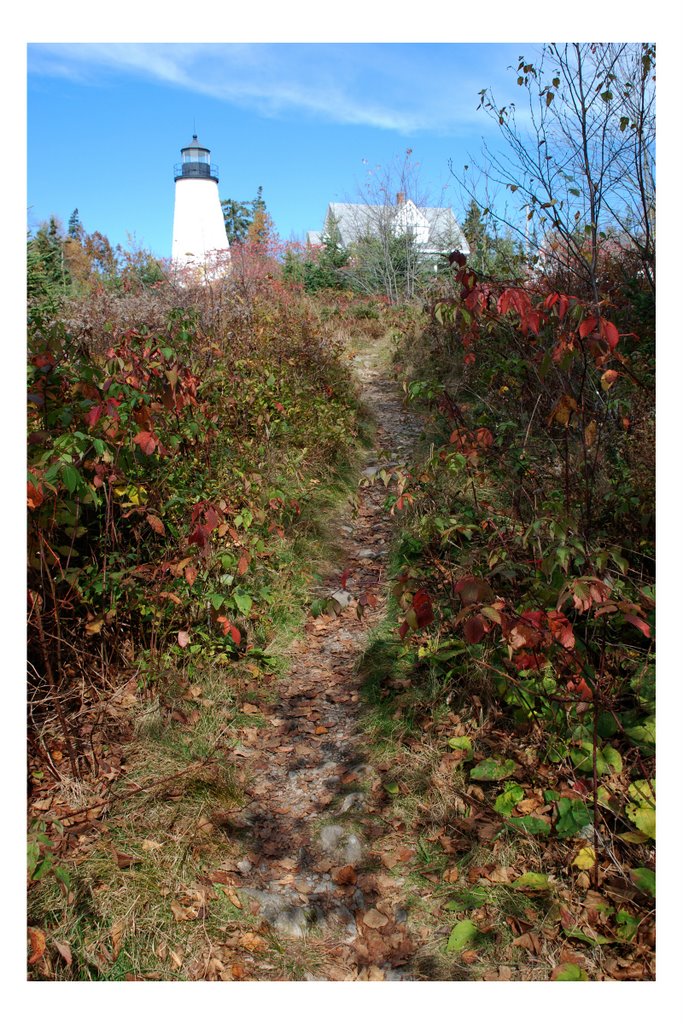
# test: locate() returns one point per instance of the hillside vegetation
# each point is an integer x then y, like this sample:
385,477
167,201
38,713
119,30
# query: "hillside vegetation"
195,461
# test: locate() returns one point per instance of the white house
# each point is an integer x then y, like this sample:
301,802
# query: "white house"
434,228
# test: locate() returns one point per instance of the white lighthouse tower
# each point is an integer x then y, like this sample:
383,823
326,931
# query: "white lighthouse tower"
199,237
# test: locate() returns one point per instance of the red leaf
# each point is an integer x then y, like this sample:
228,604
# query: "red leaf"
242,565
639,624
422,606
200,535
562,630
610,333
92,415
146,440
475,628
34,496
229,629
588,326
344,578
190,574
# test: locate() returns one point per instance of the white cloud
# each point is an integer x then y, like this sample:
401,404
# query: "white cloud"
402,88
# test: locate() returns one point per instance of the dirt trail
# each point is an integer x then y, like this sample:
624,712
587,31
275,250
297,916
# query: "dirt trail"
317,836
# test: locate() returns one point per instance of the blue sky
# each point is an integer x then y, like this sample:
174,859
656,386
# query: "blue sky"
311,123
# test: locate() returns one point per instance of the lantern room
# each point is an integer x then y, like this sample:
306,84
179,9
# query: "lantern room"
196,162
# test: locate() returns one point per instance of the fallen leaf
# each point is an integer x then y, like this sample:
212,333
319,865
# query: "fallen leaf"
156,524
389,860
64,950
345,875
183,638
254,943
117,930
464,934
530,941
451,875
176,958
373,919
37,939
125,860
151,844
183,913
585,858
233,897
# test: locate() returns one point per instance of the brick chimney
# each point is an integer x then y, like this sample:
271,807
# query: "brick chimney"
400,198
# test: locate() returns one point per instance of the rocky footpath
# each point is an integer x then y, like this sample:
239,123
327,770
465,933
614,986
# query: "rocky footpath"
319,846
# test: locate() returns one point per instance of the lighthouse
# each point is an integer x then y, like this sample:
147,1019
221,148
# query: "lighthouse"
199,237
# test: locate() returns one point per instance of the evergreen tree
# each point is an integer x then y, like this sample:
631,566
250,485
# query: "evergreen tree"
75,228
237,217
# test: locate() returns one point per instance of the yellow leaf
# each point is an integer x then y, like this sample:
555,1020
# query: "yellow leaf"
585,858
563,411
137,495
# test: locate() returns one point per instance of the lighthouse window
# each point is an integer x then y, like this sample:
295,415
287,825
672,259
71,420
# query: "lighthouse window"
196,156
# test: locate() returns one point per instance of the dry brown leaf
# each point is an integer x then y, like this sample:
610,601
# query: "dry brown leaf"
183,913
254,943
373,919
125,860
64,950
390,860
371,973
238,972
156,524
117,930
151,844
530,941
500,874
233,897
176,958
345,875
36,937
451,875
214,969
250,709
222,877
532,803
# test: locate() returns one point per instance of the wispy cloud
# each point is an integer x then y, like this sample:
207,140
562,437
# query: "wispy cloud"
399,87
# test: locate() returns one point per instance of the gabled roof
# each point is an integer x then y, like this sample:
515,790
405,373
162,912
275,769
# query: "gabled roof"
358,220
